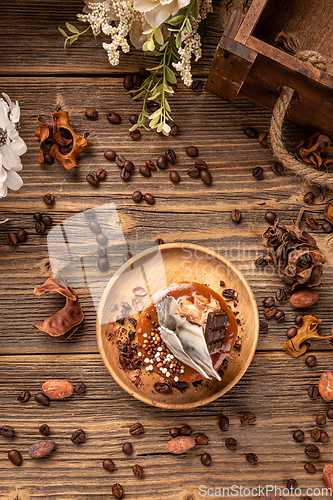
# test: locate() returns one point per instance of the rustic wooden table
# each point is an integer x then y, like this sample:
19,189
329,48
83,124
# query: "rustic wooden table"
37,71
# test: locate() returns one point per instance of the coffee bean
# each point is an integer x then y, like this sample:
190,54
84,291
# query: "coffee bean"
48,199
110,155
310,468
7,431
329,413
174,176
42,399
224,423
103,264
102,252
37,216
101,174
309,198
137,470
133,119
206,459
78,436
174,129
202,439
298,435
252,458
137,196
92,178
159,241
281,295
279,315
149,198
47,220
269,312
261,261
324,437
197,85
44,429
170,155
270,217
136,429
128,82
321,419
91,113
144,171
127,448
313,391
48,159
11,239
144,73
251,132
277,168
102,239
193,172
185,430
117,491
114,118
236,215
248,419
24,396
299,319
311,222
153,106
268,301
95,227
291,484
311,360
263,326
80,388
15,457
291,332
263,139
231,443
174,432
205,176
137,80
162,162
151,165
327,227
315,434
108,465
257,172
135,134
22,235
89,213
192,151
312,451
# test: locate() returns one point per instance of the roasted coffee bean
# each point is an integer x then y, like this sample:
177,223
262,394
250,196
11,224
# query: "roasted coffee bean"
125,175
299,319
321,419
102,239
185,430
281,295
174,129
37,216
92,178
313,391
89,213
149,198
231,443
22,235
269,312
151,165
261,261
128,82
47,220
205,176
192,151
309,198
129,166
80,388
137,80
263,326
206,459
102,252
162,162
291,332
144,171
42,399
311,222
117,491
15,457
311,360
170,155
201,165
153,106
329,413
144,73
315,434
137,470
133,119
312,451
277,168
224,423
298,435
202,439
110,155
136,429
103,264
279,315
236,215
137,196
268,302
108,465
24,396
44,429
248,419
174,432
327,227
257,172
270,217
114,118
324,437
291,484
251,132
48,199
101,174
127,448
310,468
263,139
193,172
11,239
91,113
174,176
95,227
252,458
197,85
135,134
78,436
159,241
48,159
7,431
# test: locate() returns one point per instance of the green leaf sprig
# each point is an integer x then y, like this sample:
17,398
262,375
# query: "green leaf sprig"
76,33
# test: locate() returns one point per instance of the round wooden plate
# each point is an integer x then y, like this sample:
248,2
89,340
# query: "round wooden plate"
152,270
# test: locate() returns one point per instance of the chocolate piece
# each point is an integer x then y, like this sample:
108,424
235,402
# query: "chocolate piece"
215,330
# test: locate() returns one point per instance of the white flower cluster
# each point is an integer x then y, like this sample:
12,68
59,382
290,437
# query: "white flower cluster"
98,15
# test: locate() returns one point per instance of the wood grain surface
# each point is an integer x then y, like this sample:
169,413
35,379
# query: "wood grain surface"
35,71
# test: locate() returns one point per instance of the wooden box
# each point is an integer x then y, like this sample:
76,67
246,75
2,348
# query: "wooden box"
247,63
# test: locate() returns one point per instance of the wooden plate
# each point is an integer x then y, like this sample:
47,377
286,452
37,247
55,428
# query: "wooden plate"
154,269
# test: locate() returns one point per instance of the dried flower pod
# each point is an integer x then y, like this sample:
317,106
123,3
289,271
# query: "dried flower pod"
309,330
328,212
56,284
316,150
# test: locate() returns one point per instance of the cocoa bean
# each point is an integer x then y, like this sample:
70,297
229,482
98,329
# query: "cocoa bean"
325,386
58,389
41,448
328,475
180,444
304,298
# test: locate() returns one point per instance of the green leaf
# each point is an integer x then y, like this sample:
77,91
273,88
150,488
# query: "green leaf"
171,77
73,39
147,32
167,105
156,113
71,28
154,122
145,46
158,36
188,25
156,68
160,127
176,20
134,127
195,10
166,129
63,32
178,41
151,44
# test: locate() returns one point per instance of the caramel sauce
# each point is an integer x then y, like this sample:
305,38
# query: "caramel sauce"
186,290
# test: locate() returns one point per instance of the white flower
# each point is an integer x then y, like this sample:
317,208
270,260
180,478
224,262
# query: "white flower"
158,11
11,146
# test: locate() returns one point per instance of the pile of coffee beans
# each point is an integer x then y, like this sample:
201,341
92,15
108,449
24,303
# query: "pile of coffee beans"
42,222
200,168
94,177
